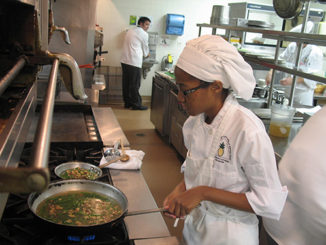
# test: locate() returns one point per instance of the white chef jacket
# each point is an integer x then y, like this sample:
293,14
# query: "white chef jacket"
311,61
135,46
245,165
303,170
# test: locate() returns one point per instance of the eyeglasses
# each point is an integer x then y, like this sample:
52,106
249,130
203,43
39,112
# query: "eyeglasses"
189,91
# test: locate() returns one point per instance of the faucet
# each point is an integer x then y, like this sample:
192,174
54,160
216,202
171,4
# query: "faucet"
71,74
278,96
53,28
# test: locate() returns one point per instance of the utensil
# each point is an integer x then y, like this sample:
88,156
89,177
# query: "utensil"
146,211
74,164
123,158
107,190
113,155
288,9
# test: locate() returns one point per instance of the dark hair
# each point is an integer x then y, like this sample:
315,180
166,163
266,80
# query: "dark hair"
225,91
143,20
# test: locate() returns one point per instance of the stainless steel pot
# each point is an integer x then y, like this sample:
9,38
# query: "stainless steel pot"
288,9
220,15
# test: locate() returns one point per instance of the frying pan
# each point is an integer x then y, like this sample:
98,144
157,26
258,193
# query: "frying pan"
104,189
90,167
288,9
74,164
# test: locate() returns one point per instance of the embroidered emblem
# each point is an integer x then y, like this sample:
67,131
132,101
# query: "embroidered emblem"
220,151
224,150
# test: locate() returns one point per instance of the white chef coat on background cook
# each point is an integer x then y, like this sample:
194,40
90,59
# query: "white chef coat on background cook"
135,47
233,153
311,61
303,170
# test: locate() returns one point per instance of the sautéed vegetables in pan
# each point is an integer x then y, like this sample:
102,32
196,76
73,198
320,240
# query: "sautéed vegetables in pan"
79,208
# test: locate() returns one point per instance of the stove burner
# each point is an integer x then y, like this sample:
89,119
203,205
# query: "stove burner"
81,239
20,227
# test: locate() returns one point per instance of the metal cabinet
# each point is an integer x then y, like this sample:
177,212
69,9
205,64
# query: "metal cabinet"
160,115
157,104
178,117
167,115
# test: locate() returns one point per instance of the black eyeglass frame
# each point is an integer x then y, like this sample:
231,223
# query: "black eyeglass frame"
202,84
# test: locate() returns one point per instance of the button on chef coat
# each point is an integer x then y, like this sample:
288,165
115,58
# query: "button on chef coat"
311,61
135,47
303,170
248,157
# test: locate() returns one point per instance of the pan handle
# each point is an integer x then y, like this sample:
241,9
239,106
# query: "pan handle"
146,211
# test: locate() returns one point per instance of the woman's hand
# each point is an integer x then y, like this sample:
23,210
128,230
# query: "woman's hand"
268,77
181,203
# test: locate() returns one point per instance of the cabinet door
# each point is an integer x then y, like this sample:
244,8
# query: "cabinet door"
178,117
157,105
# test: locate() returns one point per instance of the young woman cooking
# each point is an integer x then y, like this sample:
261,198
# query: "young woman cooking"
230,172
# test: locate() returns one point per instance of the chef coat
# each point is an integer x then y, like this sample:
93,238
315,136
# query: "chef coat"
233,153
311,61
303,170
135,46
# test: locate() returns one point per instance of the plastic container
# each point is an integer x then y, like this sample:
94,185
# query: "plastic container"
281,120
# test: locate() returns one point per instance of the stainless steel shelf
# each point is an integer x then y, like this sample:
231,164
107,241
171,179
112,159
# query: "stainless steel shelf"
285,69
272,34
278,35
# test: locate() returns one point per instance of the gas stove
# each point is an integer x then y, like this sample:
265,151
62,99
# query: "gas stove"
20,227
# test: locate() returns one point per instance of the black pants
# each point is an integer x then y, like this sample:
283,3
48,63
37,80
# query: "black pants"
130,85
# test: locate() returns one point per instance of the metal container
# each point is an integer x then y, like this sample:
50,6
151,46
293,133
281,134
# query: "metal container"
71,165
220,15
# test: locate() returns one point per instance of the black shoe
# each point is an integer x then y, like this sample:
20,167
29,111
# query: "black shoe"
127,106
141,108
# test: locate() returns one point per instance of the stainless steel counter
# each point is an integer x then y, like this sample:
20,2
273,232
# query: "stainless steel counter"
145,228
108,126
133,185
158,241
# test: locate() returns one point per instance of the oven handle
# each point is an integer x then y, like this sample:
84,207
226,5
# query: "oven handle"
35,177
6,80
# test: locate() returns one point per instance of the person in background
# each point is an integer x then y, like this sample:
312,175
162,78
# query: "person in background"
230,173
135,47
303,170
311,61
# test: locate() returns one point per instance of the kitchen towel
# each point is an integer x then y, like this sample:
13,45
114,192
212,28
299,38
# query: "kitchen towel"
134,163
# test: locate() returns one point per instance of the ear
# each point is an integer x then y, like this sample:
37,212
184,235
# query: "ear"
217,86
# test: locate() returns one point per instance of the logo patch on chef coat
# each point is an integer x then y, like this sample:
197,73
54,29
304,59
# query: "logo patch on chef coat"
223,153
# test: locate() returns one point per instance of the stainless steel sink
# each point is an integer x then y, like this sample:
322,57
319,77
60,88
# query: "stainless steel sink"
253,103
147,65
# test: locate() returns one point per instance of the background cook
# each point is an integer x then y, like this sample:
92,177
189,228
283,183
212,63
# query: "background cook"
311,61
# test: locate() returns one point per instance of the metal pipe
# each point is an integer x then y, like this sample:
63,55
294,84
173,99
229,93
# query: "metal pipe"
294,79
41,144
6,80
270,96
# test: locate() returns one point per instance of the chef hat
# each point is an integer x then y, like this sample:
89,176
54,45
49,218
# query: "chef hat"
210,58
309,27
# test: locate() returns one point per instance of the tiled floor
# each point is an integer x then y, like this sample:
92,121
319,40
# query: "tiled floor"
161,163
